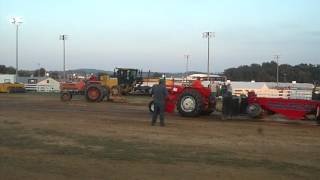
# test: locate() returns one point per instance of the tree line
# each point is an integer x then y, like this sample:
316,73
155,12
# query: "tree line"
10,70
267,72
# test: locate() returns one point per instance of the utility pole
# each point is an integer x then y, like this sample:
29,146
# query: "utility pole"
208,35
39,65
63,37
277,60
17,21
187,56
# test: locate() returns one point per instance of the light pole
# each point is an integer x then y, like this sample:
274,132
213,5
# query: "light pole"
17,21
187,56
39,65
277,59
63,37
208,35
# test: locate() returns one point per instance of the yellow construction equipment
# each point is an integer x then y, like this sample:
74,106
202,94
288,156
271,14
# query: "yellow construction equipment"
12,88
110,83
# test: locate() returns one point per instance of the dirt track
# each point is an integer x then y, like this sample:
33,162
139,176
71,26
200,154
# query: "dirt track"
43,138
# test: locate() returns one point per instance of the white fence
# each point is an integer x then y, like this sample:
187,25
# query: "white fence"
275,93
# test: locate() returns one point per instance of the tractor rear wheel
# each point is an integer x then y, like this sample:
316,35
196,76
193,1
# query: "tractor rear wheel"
65,96
190,103
105,93
211,106
151,106
94,93
254,110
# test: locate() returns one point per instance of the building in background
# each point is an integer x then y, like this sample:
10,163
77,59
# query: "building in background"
48,85
7,78
40,84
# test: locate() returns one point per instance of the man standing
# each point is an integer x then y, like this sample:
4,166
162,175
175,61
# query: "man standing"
159,93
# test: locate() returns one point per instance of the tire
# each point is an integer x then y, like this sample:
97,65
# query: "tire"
105,93
151,106
254,110
190,103
65,96
150,90
211,107
94,93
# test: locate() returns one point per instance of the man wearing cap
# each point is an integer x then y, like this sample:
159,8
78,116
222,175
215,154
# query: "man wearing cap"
159,93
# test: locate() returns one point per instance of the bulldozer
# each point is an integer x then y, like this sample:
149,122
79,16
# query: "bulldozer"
95,89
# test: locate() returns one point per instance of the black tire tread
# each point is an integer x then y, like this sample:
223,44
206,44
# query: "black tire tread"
256,114
149,105
100,88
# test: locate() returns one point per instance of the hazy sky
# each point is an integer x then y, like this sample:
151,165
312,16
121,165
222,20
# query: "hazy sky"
155,34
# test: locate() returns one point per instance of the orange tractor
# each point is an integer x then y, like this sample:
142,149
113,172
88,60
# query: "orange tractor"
93,89
96,89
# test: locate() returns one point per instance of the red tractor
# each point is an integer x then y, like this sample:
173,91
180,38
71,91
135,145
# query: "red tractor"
190,101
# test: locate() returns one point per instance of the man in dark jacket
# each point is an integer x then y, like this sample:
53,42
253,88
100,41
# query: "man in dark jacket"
159,93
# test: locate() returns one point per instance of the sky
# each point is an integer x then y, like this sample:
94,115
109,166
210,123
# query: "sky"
155,35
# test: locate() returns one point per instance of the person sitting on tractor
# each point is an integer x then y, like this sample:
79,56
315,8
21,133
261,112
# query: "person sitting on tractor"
197,83
159,94
93,77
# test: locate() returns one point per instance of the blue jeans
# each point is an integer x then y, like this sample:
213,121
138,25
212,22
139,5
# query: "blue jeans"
158,110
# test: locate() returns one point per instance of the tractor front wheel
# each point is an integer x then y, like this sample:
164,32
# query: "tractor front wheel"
190,103
94,93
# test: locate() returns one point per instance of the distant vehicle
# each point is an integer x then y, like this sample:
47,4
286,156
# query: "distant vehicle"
127,79
12,88
95,89
204,77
